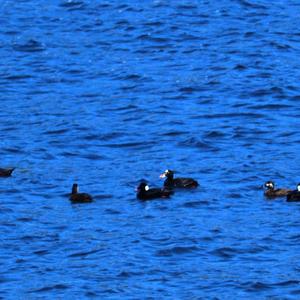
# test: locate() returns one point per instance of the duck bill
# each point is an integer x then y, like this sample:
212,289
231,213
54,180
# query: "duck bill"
163,175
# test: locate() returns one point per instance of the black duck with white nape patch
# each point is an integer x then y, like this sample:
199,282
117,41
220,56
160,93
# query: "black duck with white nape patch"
271,192
294,196
171,182
6,172
76,197
145,193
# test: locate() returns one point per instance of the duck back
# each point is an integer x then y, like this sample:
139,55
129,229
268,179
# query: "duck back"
293,196
81,198
154,193
6,172
277,193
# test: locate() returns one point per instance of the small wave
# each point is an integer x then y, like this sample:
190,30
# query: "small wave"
258,286
186,6
270,106
176,250
139,145
287,283
111,211
235,115
111,136
82,254
153,23
30,46
249,34
195,204
73,5
240,67
25,219
148,37
17,77
41,252
198,144
13,150
297,97
126,274
133,77
93,156
214,134
266,92
224,252
50,288
187,89
105,196
58,131
175,133
68,154
252,5
234,195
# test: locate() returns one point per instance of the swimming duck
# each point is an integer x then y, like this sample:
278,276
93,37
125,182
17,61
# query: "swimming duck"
271,192
6,172
294,196
145,193
76,197
170,182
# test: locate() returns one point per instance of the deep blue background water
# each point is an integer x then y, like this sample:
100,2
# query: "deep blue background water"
105,93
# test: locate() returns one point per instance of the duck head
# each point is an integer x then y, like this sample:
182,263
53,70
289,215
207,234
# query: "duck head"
168,173
298,187
75,188
143,187
269,185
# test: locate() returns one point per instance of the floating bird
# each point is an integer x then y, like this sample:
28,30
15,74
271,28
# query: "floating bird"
172,182
294,196
271,192
76,197
5,172
145,193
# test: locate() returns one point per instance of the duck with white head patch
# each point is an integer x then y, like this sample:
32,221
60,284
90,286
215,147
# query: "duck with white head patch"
144,192
271,192
171,182
294,196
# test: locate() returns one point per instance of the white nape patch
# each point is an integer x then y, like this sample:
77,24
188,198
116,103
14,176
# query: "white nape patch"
298,187
147,188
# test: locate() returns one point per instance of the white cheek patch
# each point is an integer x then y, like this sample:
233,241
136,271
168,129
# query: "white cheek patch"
298,188
147,188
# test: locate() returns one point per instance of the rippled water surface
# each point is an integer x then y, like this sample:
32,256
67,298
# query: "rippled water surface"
105,93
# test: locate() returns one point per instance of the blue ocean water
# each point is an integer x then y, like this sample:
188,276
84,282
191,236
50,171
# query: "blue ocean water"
105,93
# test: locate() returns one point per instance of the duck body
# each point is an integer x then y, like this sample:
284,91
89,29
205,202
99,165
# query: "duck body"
294,196
171,182
76,197
277,193
271,192
145,193
6,172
